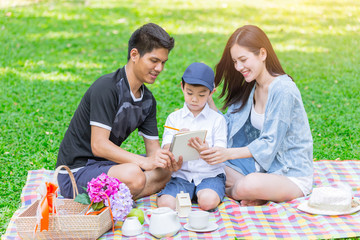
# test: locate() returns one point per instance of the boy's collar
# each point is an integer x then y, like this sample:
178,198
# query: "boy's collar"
203,112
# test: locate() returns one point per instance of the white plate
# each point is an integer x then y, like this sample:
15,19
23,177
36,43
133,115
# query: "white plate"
212,226
306,208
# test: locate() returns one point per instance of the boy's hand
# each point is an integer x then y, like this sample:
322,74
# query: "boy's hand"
198,144
184,130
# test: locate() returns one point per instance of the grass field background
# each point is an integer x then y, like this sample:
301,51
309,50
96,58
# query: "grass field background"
51,51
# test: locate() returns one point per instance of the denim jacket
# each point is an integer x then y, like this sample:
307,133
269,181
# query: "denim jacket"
284,145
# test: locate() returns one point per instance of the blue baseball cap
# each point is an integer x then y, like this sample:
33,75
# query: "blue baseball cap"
199,73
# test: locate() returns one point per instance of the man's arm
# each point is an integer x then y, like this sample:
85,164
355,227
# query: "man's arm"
101,146
151,146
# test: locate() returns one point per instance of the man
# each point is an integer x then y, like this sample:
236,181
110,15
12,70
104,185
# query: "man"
112,108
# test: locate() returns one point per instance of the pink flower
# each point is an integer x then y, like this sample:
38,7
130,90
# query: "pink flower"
102,187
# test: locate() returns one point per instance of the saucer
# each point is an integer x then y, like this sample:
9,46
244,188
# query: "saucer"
211,227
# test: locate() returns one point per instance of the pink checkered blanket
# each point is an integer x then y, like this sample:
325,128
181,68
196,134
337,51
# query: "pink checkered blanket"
271,221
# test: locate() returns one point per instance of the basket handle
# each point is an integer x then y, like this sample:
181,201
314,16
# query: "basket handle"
57,170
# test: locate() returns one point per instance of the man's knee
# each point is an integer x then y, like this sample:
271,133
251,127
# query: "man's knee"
163,175
130,174
159,177
137,181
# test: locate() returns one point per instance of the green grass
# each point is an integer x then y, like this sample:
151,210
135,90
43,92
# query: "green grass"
51,52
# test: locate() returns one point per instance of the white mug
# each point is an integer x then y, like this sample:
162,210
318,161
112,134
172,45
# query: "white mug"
199,219
131,227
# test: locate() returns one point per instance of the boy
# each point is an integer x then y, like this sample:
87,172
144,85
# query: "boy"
198,178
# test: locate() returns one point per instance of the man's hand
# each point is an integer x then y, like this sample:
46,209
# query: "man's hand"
198,144
163,158
176,165
148,164
159,159
172,164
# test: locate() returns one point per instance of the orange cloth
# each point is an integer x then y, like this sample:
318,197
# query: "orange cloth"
46,206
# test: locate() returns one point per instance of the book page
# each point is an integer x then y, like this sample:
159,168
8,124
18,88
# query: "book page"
179,145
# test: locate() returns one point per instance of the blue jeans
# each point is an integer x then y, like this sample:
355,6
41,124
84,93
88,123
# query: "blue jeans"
176,185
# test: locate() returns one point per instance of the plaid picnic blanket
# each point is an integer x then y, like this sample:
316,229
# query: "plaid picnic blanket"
271,221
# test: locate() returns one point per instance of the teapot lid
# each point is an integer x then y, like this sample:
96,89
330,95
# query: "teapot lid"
161,210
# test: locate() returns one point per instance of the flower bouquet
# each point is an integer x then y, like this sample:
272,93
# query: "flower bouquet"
105,191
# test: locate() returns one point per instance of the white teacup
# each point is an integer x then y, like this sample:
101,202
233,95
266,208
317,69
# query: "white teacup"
198,219
131,227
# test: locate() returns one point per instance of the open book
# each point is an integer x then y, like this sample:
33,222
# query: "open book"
179,145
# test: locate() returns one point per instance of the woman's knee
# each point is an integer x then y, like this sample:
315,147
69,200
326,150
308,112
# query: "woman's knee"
260,186
247,186
208,199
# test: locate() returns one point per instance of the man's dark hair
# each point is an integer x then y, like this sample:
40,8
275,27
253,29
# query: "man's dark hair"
148,37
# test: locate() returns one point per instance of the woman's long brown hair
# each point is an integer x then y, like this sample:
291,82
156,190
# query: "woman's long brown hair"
235,88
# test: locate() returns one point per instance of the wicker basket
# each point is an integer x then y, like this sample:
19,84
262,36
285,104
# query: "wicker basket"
68,223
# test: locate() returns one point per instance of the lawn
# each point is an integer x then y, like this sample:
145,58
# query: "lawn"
51,51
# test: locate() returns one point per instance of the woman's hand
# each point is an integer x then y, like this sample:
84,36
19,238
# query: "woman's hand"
211,102
215,155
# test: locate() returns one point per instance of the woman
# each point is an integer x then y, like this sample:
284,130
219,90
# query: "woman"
270,151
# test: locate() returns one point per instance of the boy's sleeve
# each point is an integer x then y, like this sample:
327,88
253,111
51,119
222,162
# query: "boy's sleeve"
168,133
220,132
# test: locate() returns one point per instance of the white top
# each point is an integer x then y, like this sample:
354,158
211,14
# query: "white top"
257,120
216,127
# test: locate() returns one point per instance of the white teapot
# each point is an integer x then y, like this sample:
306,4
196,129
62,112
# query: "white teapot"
164,222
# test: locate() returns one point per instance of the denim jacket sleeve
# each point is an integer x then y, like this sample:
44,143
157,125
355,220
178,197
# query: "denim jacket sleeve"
276,124
285,139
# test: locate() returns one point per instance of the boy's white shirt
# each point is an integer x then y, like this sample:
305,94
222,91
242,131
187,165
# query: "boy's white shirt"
216,127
